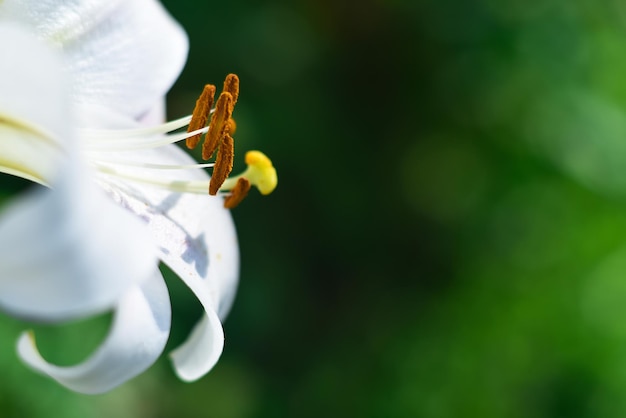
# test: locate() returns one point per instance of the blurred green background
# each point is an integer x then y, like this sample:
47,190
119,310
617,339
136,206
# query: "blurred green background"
448,238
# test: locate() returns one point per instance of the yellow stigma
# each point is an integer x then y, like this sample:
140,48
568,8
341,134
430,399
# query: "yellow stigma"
261,173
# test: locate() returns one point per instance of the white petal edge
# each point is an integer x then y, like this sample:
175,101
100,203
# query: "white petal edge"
121,54
70,251
138,335
202,349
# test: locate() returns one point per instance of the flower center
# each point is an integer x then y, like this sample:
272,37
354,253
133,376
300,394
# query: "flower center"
106,146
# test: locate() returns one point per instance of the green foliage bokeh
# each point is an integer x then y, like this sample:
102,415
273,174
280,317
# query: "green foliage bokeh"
448,238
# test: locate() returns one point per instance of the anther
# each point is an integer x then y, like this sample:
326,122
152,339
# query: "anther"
200,114
232,126
223,164
231,85
239,192
218,125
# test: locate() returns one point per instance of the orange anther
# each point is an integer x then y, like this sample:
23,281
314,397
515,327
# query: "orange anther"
200,114
239,192
231,85
218,124
223,164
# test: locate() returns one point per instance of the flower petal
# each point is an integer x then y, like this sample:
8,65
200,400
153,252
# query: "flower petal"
199,353
70,251
196,237
138,335
121,54
33,91
25,153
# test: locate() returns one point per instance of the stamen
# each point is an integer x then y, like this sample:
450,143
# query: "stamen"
201,113
239,192
103,146
231,85
106,135
232,126
223,164
141,143
140,164
218,125
185,186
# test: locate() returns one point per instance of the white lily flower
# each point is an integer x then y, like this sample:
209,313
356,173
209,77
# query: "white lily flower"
121,57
